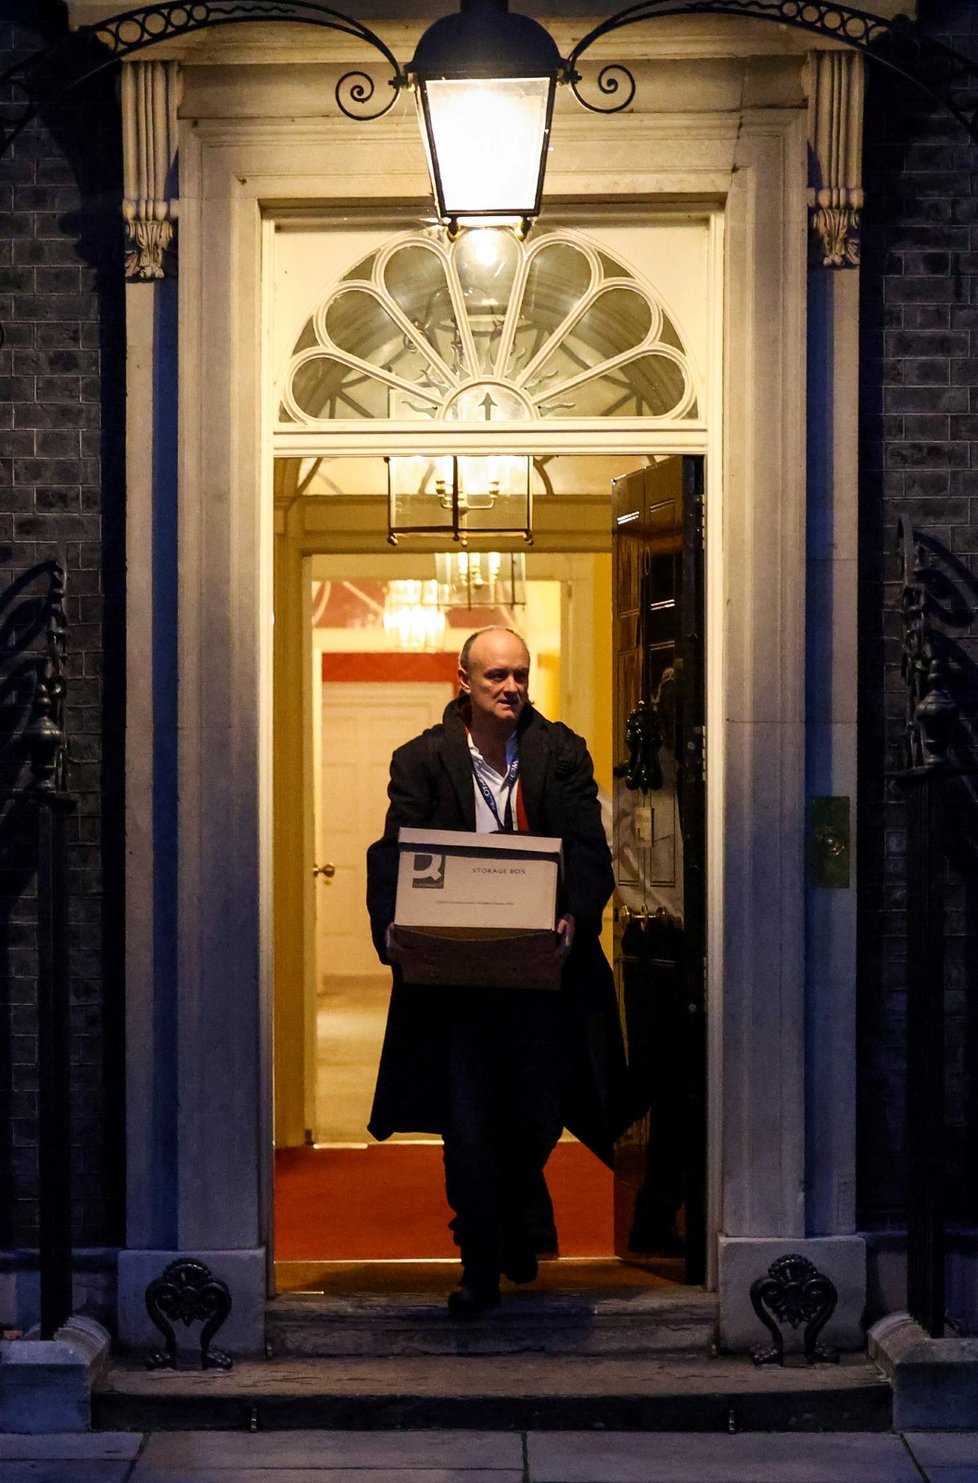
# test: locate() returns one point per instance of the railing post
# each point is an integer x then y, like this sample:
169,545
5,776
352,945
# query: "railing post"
925,1048
54,1063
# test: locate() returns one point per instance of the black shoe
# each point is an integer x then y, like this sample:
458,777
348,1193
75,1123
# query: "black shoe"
520,1264
470,1299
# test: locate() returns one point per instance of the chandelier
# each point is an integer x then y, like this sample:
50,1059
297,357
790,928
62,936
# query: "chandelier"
481,579
413,614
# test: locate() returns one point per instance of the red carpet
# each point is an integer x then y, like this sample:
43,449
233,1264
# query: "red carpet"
387,1201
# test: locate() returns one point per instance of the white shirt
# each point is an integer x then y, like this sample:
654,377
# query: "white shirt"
499,788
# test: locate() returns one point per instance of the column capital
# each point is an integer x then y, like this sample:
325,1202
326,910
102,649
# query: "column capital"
835,153
150,94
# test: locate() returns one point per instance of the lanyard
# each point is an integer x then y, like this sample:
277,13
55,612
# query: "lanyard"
509,781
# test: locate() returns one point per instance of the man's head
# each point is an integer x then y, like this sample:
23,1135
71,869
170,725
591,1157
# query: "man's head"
494,672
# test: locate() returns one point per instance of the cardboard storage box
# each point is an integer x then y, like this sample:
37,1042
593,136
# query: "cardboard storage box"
477,910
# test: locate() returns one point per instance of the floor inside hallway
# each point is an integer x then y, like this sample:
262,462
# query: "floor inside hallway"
491,1457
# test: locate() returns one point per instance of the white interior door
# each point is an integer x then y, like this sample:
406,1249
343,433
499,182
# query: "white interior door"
362,723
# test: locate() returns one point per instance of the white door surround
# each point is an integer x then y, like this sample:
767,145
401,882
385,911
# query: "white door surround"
243,156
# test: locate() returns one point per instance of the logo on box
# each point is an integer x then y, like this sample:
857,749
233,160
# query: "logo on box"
428,873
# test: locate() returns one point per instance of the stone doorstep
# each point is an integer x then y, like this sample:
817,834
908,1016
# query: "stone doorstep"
935,1381
554,1392
630,1321
46,1384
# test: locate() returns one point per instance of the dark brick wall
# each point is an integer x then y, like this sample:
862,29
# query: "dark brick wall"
61,497
919,424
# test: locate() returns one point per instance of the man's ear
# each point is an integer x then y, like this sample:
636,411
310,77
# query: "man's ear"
463,682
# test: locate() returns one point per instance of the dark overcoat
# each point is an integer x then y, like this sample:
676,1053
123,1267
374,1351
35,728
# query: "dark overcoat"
431,786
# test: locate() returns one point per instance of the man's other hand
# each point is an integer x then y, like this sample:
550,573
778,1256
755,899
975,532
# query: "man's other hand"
565,935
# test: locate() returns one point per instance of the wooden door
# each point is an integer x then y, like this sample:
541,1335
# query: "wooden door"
659,846
362,723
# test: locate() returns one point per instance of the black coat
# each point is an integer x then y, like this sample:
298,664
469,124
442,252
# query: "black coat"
431,785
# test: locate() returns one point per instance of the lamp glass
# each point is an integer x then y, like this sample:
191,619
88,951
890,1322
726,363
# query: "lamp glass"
486,139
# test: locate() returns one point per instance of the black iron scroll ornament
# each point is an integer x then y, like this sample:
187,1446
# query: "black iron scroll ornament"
898,44
188,1292
928,672
54,71
794,1292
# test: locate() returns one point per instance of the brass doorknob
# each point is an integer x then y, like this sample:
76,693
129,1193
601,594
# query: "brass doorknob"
327,870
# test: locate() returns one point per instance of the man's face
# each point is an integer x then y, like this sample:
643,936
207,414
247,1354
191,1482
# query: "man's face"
497,679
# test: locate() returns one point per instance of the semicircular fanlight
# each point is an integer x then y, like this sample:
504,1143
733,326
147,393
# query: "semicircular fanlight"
556,327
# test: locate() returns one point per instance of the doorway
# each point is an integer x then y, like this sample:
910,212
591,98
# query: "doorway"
374,675
370,688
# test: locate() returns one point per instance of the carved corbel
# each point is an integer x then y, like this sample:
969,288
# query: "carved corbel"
835,156
150,204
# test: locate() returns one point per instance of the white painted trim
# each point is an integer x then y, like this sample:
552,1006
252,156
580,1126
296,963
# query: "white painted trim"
229,178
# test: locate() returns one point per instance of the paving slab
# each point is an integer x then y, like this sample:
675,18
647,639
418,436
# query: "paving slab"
74,1471
147,1473
964,1474
237,1452
761,1457
944,1449
70,1446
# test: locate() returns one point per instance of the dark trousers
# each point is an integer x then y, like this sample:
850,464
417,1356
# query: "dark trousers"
507,1073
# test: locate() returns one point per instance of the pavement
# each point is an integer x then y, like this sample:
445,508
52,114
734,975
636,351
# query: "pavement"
491,1457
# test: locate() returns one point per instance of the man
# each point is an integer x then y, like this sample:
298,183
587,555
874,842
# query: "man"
499,1073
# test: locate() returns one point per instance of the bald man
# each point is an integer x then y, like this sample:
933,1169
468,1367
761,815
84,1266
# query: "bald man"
499,1073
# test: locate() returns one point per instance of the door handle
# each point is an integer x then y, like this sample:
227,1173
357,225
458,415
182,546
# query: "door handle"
327,870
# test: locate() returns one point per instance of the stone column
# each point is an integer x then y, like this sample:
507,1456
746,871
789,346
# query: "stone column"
825,1228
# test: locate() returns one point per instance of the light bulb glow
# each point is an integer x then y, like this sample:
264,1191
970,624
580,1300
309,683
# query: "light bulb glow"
488,138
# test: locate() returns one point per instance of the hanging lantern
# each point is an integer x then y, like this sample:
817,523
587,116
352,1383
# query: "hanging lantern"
481,579
485,82
461,497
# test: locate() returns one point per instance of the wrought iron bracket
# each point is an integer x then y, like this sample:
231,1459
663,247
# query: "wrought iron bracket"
899,44
47,75
794,1292
188,1292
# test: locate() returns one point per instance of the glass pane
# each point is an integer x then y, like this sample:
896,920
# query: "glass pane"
324,387
486,261
488,139
616,322
415,278
358,323
558,278
650,386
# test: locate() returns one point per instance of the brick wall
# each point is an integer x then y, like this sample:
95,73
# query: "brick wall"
919,422
61,497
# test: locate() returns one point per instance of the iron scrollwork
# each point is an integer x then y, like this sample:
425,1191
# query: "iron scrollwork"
33,654
794,1292
188,1292
49,74
898,44
927,670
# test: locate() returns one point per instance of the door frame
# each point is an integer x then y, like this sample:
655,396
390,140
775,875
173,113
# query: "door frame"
751,164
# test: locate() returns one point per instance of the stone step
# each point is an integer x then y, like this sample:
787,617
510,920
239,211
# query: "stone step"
574,1308
553,1392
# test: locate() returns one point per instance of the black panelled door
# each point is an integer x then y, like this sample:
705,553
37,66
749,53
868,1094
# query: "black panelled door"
659,848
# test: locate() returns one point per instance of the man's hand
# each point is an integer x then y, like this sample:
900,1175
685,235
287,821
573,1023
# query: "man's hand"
392,947
565,935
